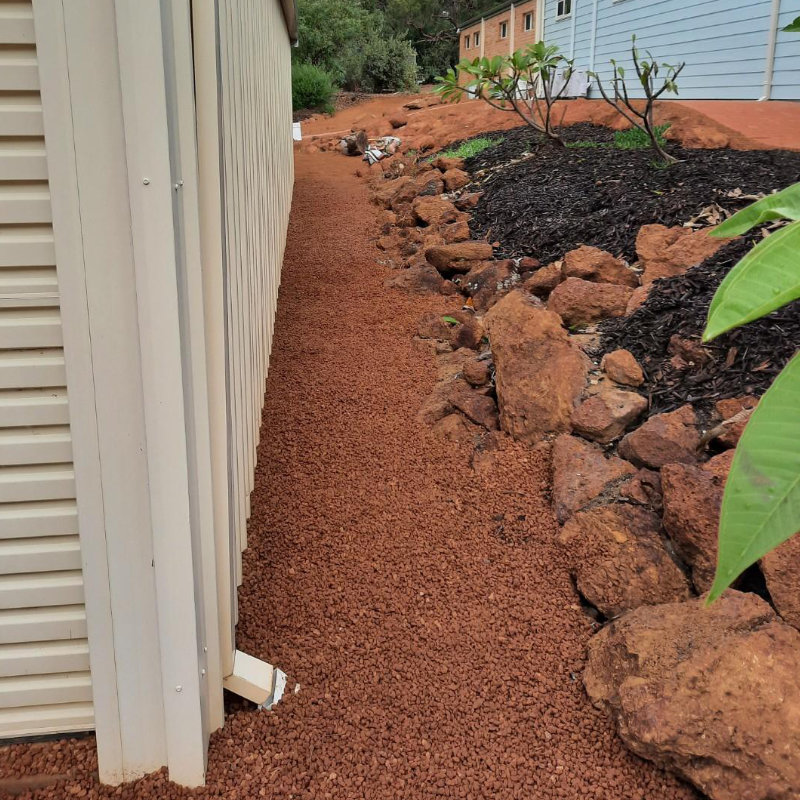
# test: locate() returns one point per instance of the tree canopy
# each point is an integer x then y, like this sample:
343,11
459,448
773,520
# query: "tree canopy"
380,45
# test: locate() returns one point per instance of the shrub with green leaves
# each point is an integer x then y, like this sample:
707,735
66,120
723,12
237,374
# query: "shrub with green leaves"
354,45
648,72
312,87
528,82
761,503
390,64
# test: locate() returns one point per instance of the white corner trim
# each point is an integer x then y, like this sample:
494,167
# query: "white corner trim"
144,105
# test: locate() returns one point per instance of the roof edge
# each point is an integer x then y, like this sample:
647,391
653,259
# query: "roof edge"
492,12
289,9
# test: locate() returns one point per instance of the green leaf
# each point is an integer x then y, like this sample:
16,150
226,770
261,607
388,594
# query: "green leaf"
793,27
781,205
767,278
761,504
450,320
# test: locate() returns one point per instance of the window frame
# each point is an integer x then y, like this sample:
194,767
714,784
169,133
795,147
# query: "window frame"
466,41
476,39
527,21
563,4
504,29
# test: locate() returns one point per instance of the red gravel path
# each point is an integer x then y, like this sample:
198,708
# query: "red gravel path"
419,601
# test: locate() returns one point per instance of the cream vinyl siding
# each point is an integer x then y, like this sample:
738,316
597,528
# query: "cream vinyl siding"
258,176
44,656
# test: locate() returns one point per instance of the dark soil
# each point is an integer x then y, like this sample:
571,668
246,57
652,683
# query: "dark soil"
560,198
744,361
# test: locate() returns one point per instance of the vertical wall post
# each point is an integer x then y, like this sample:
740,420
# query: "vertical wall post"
140,41
772,41
209,160
513,26
483,35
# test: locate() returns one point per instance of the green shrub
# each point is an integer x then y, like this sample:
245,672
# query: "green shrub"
638,139
312,87
389,65
354,45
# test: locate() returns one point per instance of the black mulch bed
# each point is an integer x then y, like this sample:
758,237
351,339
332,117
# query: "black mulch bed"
744,361
561,198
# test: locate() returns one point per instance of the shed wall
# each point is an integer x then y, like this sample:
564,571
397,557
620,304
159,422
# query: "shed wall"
45,684
258,176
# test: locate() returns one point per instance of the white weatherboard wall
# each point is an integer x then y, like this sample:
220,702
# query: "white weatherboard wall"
726,44
257,190
45,685
145,184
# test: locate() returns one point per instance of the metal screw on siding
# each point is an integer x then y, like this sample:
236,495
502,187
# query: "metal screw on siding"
146,181
177,185
179,688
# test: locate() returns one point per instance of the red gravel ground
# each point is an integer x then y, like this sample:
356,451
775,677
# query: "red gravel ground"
417,598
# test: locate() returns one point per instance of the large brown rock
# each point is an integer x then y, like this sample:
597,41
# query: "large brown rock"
618,559
710,693
544,280
426,184
487,282
446,164
581,473
692,498
735,413
429,184
468,201
638,299
455,179
458,257
434,210
468,333
580,302
644,489
607,414
455,232
457,395
598,266
477,373
664,252
663,439
421,278
622,367
387,190
781,570
539,372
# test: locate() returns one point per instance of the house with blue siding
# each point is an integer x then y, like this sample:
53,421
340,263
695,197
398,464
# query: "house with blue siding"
733,49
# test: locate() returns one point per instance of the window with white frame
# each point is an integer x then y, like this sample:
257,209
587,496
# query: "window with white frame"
563,8
528,21
503,30
466,42
476,39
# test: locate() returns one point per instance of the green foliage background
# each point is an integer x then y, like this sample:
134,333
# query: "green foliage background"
381,45
312,87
